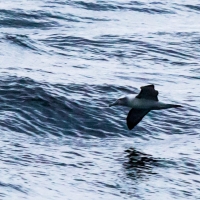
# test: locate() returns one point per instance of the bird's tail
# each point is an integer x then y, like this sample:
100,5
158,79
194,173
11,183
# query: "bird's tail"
173,106
166,106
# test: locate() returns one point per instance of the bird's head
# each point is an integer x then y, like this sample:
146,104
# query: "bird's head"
122,101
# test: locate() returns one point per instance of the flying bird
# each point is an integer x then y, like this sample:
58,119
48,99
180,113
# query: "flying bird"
141,104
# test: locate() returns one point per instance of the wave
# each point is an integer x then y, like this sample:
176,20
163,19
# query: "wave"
129,6
40,108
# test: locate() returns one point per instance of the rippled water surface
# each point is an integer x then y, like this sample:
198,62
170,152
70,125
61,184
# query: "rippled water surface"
62,63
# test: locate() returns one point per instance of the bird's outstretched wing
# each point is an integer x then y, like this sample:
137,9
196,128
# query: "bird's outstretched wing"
148,92
135,116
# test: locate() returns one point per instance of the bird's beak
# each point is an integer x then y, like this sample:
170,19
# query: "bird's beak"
114,104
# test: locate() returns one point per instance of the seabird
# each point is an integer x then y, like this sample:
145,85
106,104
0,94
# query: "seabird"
140,105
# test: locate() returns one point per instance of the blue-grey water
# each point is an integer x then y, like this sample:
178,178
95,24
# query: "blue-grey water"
62,63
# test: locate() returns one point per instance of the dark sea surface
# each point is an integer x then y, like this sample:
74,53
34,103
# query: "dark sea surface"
62,63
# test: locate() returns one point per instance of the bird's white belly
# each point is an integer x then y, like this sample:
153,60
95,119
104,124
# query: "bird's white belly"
143,104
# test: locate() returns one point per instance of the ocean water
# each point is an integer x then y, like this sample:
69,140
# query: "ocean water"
62,63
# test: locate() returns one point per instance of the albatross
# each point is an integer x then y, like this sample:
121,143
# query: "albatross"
141,104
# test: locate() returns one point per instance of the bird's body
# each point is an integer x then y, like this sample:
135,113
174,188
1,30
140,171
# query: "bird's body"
144,102
134,102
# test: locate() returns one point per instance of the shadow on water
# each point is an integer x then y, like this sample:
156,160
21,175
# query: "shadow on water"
139,164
